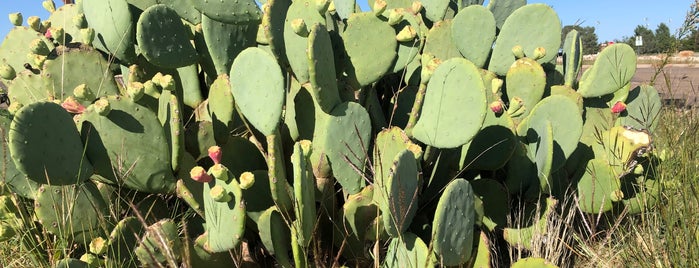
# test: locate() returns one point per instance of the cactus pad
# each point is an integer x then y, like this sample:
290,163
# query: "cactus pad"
473,30
113,26
163,39
452,228
366,32
444,122
45,145
229,11
612,70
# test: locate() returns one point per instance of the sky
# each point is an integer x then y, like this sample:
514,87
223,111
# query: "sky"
612,19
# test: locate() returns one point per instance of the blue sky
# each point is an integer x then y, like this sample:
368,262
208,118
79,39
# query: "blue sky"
613,19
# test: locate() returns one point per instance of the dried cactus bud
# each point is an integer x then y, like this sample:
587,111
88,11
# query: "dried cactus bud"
73,106
45,25
219,194
136,73
496,86
429,63
619,107
39,47
102,107
79,21
299,27
306,147
151,89
16,19
215,154
58,34
198,174
38,60
407,34
135,90
322,6
539,53
7,72
34,23
88,35
497,107
167,82
616,195
247,180
157,78
14,107
518,51
83,92
331,6
416,7
395,16
98,245
220,172
379,7
49,5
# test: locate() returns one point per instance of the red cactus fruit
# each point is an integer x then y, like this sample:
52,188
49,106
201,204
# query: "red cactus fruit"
215,154
619,107
73,106
496,107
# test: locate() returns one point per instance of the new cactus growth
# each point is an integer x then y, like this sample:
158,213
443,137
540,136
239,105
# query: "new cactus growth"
198,174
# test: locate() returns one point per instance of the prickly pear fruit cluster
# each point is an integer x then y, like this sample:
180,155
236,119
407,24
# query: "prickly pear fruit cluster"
173,132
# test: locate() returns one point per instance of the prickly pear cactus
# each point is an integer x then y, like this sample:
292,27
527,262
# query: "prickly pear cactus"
290,133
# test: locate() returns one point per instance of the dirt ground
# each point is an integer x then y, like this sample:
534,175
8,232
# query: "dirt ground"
677,83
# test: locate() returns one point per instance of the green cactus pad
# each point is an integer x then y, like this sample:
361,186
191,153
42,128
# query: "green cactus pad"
596,185
473,30
304,196
71,263
87,66
502,9
275,235
63,17
225,221
537,20
435,10
526,80
160,244
524,235
274,27
398,194
643,107
221,108
495,202
452,228
29,88
123,239
185,9
572,57
75,212
409,50
408,251
613,69
344,138
321,69
258,88
107,138
114,28
533,262
45,145
229,11
493,146
15,47
13,178
237,146
258,198
225,41
566,121
444,122
359,211
366,32
190,191
163,39
171,119
296,46
439,42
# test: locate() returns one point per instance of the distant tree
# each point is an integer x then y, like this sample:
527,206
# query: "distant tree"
587,35
664,41
690,41
648,40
